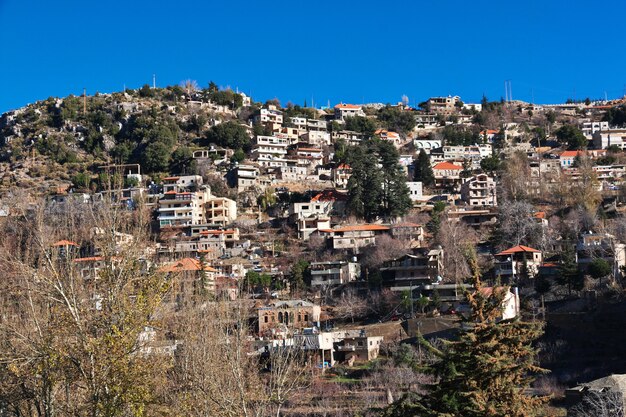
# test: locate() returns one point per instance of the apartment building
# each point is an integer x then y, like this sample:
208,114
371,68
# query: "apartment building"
443,105
183,200
479,190
347,110
334,273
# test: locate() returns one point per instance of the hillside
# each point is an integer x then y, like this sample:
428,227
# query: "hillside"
65,139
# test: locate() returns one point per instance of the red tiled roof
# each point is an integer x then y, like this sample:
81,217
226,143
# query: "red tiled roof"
216,232
540,215
447,166
347,106
357,228
186,264
65,243
570,154
517,249
328,195
89,259
171,178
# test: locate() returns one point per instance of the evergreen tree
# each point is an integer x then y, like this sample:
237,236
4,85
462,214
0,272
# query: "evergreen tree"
377,186
568,272
396,201
422,170
485,373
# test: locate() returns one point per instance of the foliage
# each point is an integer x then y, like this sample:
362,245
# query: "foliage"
229,135
616,116
571,136
423,170
361,124
377,186
182,161
486,372
599,268
298,274
396,119
569,273
490,164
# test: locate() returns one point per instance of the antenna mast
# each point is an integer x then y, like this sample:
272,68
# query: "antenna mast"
153,81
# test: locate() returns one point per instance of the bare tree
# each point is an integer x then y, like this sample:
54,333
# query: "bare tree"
599,404
350,306
456,238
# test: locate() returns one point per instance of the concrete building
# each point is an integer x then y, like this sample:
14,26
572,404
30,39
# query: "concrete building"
183,200
423,267
347,110
603,139
334,273
479,190
443,105
517,262
447,175
415,190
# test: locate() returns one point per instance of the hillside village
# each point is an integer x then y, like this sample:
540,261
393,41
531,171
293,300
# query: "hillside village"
349,232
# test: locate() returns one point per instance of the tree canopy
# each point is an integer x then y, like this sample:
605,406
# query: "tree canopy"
230,135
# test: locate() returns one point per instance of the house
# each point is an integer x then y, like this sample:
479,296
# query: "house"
510,301
426,121
447,175
356,346
220,211
314,125
316,137
443,105
353,237
415,190
426,144
341,175
589,128
182,208
192,280
591,246
517,262
605,396
269,115
489,135
409,232
476,218
244,177
603,139
332,273
268,148
388,136
479,190
423,267
310,216
347,110
289,313
568,158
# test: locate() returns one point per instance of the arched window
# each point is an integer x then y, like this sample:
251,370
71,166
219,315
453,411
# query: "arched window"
286,318
280,317
266,319
306,317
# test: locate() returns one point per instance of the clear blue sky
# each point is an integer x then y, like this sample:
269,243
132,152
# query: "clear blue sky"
368,51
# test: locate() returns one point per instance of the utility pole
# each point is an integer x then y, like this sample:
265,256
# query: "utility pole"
153,81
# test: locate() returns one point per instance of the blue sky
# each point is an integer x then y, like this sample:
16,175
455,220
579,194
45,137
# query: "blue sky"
367,51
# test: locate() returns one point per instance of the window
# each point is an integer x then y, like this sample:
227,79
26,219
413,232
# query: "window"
266,319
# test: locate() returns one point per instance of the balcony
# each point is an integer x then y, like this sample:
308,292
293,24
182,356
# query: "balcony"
346,348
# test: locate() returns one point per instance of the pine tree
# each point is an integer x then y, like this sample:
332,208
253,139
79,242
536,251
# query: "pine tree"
485,373
396,201
568,272
422,170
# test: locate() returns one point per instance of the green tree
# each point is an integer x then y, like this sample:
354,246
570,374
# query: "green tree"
156,157
395,199
146,91
361,124
490,164
486,372
238,156
571,136
435,217
230,135
396,119
422,170
299,274
182,161
599,268
568,272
